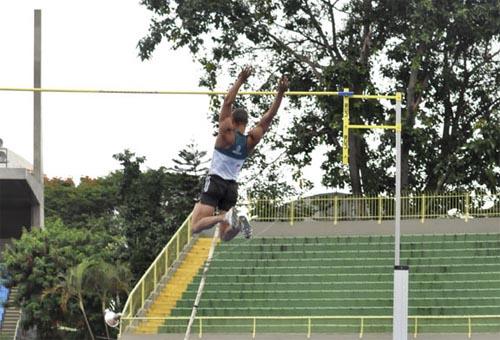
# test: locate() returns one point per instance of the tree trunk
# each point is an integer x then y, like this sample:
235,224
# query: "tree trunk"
80,303
354,168
414,91
103,307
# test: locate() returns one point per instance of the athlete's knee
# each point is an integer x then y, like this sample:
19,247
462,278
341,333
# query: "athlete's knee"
195,229
226,237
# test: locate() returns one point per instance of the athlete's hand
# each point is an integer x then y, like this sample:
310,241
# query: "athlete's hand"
245,74
283,85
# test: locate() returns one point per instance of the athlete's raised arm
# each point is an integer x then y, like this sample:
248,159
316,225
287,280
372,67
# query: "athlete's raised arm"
255,135
227,105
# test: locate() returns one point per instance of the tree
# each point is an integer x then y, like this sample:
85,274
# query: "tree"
46,258
74,285
191,161
152,204
108,281
446,55
442,54
76,205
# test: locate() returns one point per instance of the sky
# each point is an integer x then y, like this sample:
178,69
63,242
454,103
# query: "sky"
93,44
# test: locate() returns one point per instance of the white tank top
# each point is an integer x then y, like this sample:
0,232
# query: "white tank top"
227,163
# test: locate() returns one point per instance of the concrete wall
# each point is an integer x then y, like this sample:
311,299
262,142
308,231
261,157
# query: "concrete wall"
20,196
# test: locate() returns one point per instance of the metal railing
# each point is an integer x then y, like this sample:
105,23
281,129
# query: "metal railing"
150,280
379,208
415,321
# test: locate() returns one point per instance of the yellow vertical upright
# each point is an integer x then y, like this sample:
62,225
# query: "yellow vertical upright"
345,129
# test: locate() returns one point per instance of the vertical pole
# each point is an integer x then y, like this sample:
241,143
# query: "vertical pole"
401,273
292,212
309,328
142,294
400,307
254,327
189,223
422,209
166,260
466,207
379,209
178,247
335,210
38,216
201,328
345,129
155,273
397,235
416,328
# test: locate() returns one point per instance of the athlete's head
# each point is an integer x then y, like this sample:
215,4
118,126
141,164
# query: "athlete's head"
240,117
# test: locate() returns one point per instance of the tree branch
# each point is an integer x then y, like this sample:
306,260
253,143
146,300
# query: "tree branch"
304,35
487,59
316,25
334,30
366,39
314,66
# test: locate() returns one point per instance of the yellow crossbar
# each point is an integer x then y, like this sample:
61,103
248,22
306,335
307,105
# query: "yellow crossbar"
252,93
374,96
392,127
123,91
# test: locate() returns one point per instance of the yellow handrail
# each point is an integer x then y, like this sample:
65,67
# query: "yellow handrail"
467,318
158,269
337,208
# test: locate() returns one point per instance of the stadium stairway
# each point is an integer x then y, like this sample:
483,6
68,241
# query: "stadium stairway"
450,275
10,318
176,286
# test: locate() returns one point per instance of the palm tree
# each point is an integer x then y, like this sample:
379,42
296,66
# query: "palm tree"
92,277
108,281
74,285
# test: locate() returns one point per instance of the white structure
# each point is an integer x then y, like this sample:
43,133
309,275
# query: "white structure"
21,199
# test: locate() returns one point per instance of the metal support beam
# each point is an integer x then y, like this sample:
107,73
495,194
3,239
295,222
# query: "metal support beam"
38,213
401,278
397,196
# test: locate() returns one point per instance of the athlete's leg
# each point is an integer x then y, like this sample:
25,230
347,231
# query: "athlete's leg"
228,202
203,217
203,212
228,232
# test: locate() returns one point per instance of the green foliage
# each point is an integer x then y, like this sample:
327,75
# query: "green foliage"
88,279
40,259
75,263
151,205
75,205
191,161
444,55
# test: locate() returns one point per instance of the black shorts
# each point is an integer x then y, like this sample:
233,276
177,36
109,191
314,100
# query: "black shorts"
219,192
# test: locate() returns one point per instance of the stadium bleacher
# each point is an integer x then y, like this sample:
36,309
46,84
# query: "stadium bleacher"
450,275
4,295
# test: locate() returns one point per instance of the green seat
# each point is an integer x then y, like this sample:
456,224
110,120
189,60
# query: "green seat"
348,276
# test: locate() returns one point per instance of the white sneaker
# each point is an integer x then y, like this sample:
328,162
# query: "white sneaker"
246,227
231,218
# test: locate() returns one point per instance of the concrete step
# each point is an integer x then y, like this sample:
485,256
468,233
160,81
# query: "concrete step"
11,317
